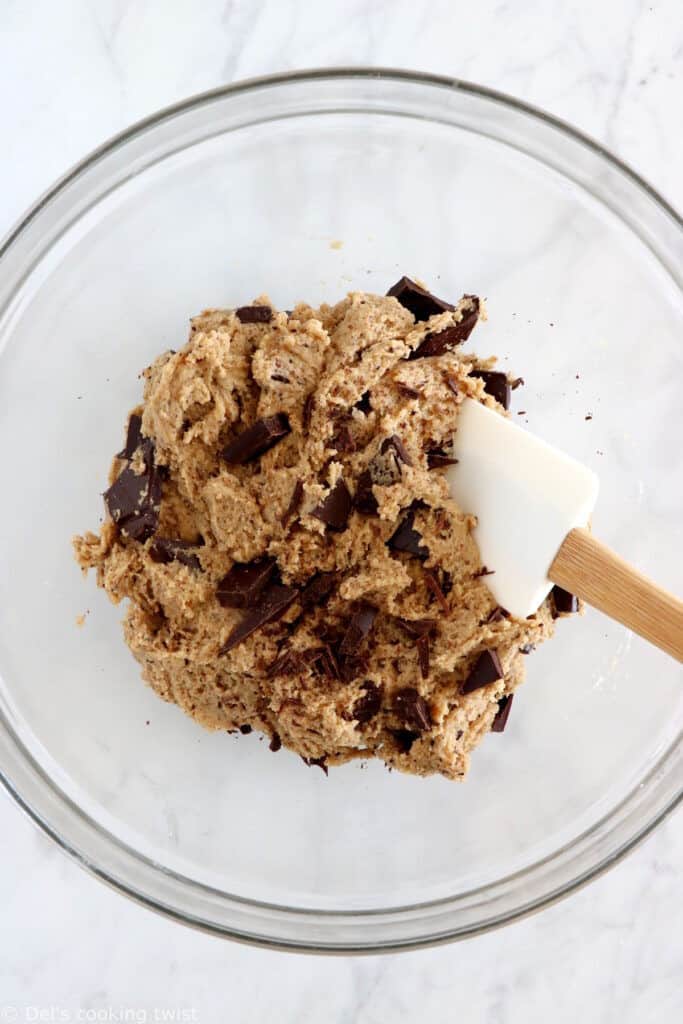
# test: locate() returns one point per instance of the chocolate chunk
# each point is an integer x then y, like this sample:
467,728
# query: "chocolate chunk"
323,661
318,589
484,571
404,739
275,742
352,667
423,655
518,382
273,603
133,499
487,669
369,705
407,390
133,437
254,314
451,383
164,550
342,440
563,603
418,627
294,502
289,663
319,762
412,709
498,614
243,585
433,585
396,444
503,713
364,499
437,342
406,538
256,439
358,628
421,303
363,403
335,508
245,729
437,458
495,384
307,410
527,648
280,378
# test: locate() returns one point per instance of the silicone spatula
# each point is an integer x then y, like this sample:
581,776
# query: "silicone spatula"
533,506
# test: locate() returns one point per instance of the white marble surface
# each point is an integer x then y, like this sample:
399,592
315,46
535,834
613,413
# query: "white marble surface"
71,74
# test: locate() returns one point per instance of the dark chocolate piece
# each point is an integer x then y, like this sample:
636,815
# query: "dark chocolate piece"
486,669
418,627
289,663
363,403
406,538
437,342
319,762
323,661
357,630
563,603
495,384
294,502
165,550
396,444
518,382
243,585
404,739
437,458
133,437
133,499
407,390
254,314
503,713
422,645
421,303
352,666
245,729
527,648
256,439
335,508
364,499
307,410
412,709
280,378
484,571
451,383
342,440
274,602
498,614
318,588
275,742
433,585
369,705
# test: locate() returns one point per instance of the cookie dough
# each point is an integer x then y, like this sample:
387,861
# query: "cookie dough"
280,523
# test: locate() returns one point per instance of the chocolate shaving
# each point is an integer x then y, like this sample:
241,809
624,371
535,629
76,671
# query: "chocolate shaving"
256,439
363,403
357,630
406,538
294,502
433,585
289,663
335,508
404,739
275,742
280,378
451,383
364,499
273,603
394,442
318,588
244,584
423,655
133,437
496,384
437,458
307,410
323,661
486,669
563,603
503,713
497,615
518,382
483,572
342,440
164,550
436,343
412,709
418,627
407,390
369,705
421,303
319,762
254,314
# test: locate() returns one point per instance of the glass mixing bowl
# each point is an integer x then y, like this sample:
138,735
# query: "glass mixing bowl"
244,190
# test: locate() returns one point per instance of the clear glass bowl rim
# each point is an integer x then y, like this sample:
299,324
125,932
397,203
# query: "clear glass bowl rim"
334,931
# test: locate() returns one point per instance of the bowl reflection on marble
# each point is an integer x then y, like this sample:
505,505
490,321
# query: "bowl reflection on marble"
253,188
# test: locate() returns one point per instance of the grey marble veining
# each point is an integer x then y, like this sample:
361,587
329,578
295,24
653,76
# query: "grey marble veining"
71,74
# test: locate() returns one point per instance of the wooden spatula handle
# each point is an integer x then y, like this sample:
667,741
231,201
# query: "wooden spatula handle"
596,574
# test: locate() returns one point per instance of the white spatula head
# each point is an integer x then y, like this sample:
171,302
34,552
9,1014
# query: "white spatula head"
526,496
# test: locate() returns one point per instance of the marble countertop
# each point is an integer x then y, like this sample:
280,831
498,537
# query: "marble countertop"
71,74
